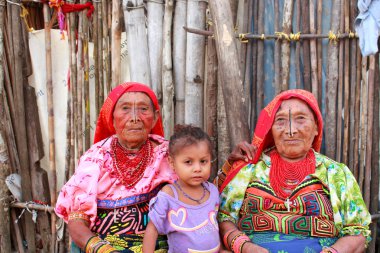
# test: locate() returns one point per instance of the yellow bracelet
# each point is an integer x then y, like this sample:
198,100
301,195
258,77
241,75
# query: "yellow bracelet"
105,248
89,248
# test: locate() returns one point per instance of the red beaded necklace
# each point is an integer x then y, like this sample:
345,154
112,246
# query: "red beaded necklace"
284,176
130,166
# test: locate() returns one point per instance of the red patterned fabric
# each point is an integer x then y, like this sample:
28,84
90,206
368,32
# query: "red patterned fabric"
104,126
263,139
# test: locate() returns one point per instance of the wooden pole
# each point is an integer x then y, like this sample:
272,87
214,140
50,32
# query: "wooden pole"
86,85
346,122
167,71
253,105
353,71
338,154
39,176
179,65
313,52
155,18
20,123
224,142
100,53
277,46
19,240
49,88
95,31
80,83
285,45
211,93
260,58
306,45
138,51
374,207
321,85
5,230
242,27
369,136
229,67
116,43
195,64
106,49
357,112
363,122
299,81
331,84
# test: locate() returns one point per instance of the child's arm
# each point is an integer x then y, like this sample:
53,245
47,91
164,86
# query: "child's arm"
150,238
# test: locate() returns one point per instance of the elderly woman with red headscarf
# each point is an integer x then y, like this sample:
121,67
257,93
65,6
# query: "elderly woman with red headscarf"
105,203
290,198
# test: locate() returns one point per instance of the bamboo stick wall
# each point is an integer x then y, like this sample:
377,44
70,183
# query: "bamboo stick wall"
191,70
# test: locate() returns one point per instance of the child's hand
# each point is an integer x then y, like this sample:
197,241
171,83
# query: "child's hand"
251,247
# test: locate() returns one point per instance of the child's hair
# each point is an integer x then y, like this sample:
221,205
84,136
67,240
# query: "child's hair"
186,135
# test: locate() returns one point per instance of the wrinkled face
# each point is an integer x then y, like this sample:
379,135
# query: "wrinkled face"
192,164
294,129
133,118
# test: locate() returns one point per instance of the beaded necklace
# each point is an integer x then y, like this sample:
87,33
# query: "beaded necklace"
191,198
284,176
130,166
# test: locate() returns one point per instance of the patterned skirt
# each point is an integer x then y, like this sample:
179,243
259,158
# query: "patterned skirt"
289,243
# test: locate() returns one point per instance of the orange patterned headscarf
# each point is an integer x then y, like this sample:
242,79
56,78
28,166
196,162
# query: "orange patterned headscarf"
263,139
104,126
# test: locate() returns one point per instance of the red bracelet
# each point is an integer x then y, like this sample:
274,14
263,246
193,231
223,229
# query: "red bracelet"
225,238
238,244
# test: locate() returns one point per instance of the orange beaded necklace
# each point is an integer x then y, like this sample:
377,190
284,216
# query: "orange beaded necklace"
130,166
284,176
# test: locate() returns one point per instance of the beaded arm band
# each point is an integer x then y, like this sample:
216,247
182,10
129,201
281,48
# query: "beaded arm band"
78,215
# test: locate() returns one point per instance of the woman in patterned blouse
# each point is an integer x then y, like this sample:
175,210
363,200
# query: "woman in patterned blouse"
290,198
106,201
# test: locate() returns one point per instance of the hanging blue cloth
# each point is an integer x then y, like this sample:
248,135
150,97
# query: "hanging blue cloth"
367,26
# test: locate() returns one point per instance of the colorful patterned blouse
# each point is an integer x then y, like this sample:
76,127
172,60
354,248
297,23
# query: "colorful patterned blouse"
326,204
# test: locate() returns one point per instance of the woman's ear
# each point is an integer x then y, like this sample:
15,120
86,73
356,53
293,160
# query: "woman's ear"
156,116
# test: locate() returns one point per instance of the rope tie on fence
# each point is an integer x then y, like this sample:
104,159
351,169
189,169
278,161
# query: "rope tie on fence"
33,212
333,37
282,35
243,38
352,35
295,36
24,13
134,7
155,1
262,36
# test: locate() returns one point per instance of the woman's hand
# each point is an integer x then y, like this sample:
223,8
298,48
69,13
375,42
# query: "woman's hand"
242,151
249,247
349,244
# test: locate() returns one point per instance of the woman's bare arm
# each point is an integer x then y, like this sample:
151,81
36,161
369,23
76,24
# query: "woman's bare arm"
79,232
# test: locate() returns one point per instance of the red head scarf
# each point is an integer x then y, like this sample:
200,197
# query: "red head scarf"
263,139
104,127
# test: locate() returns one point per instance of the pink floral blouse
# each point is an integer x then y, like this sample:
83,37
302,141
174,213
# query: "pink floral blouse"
94,181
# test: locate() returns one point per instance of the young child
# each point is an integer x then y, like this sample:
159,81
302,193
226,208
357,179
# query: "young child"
186,210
